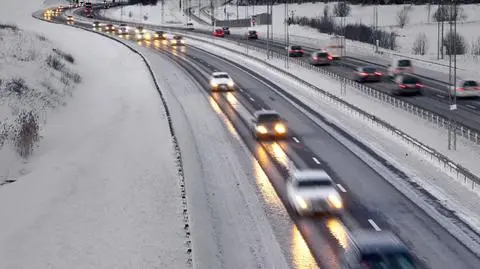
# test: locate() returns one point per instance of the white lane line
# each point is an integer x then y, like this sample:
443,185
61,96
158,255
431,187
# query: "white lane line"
240,89
296,140
470,106
316,160
251,99
441,96
341,188
374,225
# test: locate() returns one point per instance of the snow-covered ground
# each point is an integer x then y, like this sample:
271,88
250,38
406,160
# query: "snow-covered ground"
101,189
146,14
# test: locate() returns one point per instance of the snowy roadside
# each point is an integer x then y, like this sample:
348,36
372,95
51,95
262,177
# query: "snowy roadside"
101,190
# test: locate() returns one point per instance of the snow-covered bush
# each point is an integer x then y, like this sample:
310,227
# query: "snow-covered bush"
420,44
448,13
27,134
454,44
403,16
476,47
341,9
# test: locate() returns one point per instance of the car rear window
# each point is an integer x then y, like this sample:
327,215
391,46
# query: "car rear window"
177,37
268,117
322,54
296,48
404,63
221,76
369,69
314,183
219,30
470,83
252,32
410,80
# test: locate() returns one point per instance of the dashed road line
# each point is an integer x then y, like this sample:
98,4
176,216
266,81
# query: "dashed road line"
374,225
251,99
296,140
341,188
316,160
471,106
441,96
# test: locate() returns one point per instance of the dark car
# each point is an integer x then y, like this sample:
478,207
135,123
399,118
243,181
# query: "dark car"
96,24
109,28
371,249
177,41
295,51
252,34
219,32
268,124
321,58
226,30
160,35
407,84
367,74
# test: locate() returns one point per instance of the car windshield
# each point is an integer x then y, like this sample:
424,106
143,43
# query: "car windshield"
177,37
189,24
219,30
296,48
252,32
221,76
140,28
470,83
225,28
268,117
312,183
369,70
410,80
404,63
387,261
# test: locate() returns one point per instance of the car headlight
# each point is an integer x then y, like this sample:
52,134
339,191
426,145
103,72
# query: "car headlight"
137,31
139,36
261,129
280,128
230,83
156,35
301,202
335,201
213,84
164,35
174,41
182,41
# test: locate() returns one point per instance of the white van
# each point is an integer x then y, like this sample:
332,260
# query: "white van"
400,66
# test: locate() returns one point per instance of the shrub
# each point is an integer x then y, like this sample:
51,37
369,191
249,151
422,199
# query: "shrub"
403,16
420,44
476,47
454,44
341,9
67,57
444,13
16,85
54,62
27,133
8,26
42,38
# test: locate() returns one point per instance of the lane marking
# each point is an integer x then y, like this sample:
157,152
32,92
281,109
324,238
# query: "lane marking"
471,106
374,225
441,96
341,188
296,140
316,160
251,99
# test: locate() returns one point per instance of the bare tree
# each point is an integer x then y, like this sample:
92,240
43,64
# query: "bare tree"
420,44
403,16
341,9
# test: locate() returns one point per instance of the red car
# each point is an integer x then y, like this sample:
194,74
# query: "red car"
219,32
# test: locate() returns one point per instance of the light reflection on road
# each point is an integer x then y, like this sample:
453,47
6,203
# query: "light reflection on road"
302,257
338,230
227,122
263,182
276,151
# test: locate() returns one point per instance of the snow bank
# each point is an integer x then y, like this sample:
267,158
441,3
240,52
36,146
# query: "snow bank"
147,14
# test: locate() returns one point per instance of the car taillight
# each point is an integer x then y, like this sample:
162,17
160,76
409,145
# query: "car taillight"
315,58
290,51
330,57
419,85
363,74
403,86
301,51
460,89
378,73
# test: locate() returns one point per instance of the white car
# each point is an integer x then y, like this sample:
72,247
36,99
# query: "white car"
221,81
312,191
399,67
466,88
122,29
190,26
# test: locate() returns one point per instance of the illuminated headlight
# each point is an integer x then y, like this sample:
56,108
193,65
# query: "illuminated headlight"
137,31
182,41
147,36
230,83
301,202
280,128
174,41
139,36
213,84
335,201
143,31
164,35
261,129
156,35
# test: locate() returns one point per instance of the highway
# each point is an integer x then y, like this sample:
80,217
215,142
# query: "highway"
369,197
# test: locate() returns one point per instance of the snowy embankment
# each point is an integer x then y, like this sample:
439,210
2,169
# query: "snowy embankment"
35,78
100,190
147,14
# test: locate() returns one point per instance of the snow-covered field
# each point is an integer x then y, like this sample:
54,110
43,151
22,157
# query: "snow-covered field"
146,14
101,189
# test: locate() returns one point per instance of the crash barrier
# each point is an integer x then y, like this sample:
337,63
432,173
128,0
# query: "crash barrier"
234,23
456,170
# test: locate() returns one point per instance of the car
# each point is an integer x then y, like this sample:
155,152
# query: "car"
377,249
218,32
367,74
407,83
177,41
226,30
140,33
312,191
400,66
96,25
295,51
109,28
268,124
189,26
466,88
70,19
221,81
122,29
160,35
252,34
321,58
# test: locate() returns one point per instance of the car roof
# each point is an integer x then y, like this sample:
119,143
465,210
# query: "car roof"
265,112
368,241
219,73
311,174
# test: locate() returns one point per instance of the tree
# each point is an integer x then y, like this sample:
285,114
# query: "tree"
420,44
403,16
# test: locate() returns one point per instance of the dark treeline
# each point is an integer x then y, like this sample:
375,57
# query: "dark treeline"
143,2
354,2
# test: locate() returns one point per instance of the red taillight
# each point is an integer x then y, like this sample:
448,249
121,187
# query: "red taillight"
290,51
460,89
330,57
403,86
301,51
315,58
378,73
419,85
363,74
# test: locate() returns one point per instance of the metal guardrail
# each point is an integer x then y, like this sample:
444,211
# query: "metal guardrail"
462,174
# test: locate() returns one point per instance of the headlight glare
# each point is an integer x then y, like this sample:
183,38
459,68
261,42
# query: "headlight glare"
213,84
280,128
230,83
301,202
261,129
335,201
